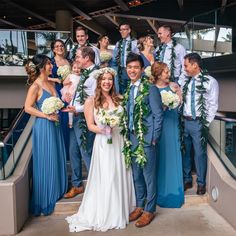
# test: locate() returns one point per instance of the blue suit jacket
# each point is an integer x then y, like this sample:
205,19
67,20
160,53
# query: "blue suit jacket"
154,118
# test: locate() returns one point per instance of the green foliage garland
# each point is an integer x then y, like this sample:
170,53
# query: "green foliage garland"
140,111
119,58
201,102
81,98
172,59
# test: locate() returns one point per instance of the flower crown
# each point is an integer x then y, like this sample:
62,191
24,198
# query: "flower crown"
104,70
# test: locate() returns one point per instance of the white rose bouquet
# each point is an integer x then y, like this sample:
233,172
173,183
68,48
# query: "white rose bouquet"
105,56
170,99
108,119
63,71
52,105
148,72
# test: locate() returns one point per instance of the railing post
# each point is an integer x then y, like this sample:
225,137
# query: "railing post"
2,168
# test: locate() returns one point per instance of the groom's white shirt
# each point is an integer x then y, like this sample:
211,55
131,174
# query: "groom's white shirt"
90,86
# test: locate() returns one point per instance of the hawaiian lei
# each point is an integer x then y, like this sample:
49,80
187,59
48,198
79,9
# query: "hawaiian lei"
200,89
172,59
140,111
81,98
118,56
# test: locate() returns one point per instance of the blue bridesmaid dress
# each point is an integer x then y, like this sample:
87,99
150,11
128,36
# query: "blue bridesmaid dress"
64,118
49,164
170,191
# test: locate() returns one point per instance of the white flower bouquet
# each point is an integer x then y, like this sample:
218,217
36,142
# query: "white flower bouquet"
105,56
148,71
52,105
108,119
63,71
170,99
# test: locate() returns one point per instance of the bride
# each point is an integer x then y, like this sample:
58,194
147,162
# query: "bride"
109,196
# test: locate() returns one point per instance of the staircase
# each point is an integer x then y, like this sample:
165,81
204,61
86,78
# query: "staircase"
70,206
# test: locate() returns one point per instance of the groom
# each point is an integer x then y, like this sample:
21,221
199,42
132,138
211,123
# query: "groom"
81,140
145,114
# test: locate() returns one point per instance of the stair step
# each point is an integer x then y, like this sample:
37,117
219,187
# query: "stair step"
71,206
193,200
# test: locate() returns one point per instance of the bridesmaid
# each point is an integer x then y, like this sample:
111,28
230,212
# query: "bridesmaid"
105,53
59,59
146,48
49,157
170,192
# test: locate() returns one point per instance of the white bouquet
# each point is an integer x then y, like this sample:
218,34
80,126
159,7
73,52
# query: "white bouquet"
170,99
63,71
148,71
52,105
105,56
108,119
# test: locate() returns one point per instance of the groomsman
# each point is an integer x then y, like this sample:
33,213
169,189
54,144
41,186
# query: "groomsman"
171,53
81,139
200,104
151,116
82,40
123,47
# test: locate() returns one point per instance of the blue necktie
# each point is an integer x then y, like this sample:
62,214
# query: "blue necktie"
123,53
131,108
163,52
193,111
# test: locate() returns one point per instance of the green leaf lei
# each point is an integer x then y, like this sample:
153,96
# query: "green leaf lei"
118,56
81,98
200,89
172,59
140,111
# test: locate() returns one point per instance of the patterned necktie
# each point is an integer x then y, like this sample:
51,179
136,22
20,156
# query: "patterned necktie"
123,53
131,108
163,52
193,111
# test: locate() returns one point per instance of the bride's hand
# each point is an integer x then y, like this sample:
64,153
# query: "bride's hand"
106,130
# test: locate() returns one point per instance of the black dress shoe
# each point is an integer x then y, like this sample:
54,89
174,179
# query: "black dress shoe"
201,189
188,185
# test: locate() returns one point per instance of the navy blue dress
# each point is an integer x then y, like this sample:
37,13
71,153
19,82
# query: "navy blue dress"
170,192
49,164
63,115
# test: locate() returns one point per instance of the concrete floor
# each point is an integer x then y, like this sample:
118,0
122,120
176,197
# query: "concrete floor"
200,220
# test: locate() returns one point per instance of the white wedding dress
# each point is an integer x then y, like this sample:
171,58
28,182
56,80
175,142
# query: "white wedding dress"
109,195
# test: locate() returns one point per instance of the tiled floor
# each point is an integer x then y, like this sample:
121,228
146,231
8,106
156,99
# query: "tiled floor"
200,220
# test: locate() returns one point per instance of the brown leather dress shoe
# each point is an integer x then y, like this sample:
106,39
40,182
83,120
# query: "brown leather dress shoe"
74,191
145,219
134,215
201,190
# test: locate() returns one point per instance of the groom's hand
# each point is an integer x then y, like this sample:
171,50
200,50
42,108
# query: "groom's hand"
154,143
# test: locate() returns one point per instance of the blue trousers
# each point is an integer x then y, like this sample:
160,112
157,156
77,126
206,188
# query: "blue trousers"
192,135
145,178
77,152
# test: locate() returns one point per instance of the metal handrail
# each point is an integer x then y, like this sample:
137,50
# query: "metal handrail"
14,125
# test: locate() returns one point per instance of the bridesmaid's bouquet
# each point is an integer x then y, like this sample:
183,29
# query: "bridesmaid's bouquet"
148,71
105,56
170,99
108,119
63,71
52,105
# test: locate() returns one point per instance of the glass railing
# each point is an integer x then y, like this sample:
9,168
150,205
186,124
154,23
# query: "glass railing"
9,156
209,33
18,45
222,139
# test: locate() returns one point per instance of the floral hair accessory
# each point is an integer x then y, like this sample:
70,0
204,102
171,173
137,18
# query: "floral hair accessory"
104,70
32,66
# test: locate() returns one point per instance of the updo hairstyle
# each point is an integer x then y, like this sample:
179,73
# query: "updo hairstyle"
34,65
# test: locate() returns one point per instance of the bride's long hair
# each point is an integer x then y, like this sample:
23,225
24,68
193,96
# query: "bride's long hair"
100,100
